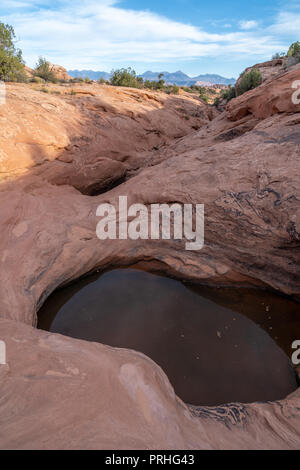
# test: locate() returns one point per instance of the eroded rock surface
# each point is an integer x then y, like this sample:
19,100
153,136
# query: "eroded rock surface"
62,393
60,155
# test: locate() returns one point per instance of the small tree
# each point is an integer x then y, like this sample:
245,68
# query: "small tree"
44,70
249,81
294,50
124,77
279,55
11,62
161,82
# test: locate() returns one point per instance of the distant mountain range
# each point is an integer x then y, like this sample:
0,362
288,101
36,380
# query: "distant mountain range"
181,79
89,74
177,78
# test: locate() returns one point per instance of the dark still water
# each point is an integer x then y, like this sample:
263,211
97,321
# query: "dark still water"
216,345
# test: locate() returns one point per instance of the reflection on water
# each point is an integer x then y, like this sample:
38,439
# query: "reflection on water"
216,345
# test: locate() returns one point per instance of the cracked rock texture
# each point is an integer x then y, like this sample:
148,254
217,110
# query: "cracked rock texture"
63,155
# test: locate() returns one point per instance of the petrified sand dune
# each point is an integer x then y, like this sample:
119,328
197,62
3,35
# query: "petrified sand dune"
61,155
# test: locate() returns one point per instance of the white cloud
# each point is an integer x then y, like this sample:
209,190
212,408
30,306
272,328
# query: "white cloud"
94,33
250,24
287,23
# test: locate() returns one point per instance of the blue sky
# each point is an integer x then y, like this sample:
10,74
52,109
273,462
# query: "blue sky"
194,36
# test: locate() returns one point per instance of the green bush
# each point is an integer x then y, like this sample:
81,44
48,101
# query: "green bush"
293,54
157,85
152,85
294,50
203,97
148,84
37,80
249,81
43,69
228,94
11,62
188,89
125,77
174,90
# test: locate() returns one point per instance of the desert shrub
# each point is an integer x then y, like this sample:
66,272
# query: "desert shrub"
160,85
38,80
148,84
249,81
188,89
125,77
293,55
156,85
151,85
43,69
203,94
76,80
228,94
174,90
102,81
279,55
11,62
203,97
294,50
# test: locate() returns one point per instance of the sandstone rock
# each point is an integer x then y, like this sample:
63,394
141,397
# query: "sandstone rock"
242,164
272,97
89,125
268,69
62,393
29,72
60,72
